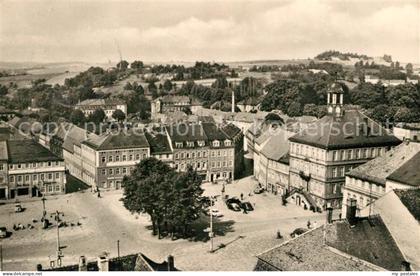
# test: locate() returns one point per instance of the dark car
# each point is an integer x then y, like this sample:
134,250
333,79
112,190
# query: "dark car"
258,190
298,232
247,206
3,232
233,200
234,206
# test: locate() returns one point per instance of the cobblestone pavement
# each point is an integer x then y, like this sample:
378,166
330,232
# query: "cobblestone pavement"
104,221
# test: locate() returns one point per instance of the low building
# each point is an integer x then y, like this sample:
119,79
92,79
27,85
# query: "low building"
364,245
407,131
160,146
400,212
107,105
29,169
396,169
170,103
133,262
6,114
108,158
250,104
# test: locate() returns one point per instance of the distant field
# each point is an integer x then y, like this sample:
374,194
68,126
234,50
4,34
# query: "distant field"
25,80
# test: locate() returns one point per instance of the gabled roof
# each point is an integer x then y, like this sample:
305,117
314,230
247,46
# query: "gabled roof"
353,129
411,199
97,102
169,99
119,140
277,146
24,151
231,130
158,142
379,169
213,132
186,132
409,172
365,247
75,135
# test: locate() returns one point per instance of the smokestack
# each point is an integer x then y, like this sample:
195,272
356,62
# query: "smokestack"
351,211
233,101
103,263
171,263
82,263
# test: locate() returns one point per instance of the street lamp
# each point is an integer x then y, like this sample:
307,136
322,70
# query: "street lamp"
44,212
56,216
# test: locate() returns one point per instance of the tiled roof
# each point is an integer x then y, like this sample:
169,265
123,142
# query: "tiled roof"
120,140
277,146
307,253
411,199
213,132
231,130
29,151
75,135
174,99
366,246
186,132
348,131
409,172
378,169
158,142
95,102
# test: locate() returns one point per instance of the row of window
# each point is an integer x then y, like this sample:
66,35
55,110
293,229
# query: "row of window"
31,165
34,177
339,155
123,157
195,165
221,164
117,171
188,155
51,188
216,143
369,187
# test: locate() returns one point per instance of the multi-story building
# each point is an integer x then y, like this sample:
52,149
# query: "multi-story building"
171,103
396,169
205,147
273,172
321,155
190,147
107,105
108,158
29,169
160,146
221,164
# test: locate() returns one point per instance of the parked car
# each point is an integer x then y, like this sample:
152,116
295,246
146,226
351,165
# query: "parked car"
233,200
3,232
18,208
298,232
258,190
234,206
247,206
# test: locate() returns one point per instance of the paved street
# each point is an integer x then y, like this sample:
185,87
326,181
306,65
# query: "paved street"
104,221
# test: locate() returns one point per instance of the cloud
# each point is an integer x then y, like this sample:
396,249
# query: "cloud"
295,29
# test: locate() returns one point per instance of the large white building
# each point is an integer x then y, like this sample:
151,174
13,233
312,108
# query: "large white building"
107,105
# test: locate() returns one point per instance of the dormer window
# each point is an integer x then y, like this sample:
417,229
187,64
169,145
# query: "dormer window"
190,144
201,143
178,144
216,143
228,143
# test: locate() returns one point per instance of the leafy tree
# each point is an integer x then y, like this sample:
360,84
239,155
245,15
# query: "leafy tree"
137,64
294,109
77,117
3,90
167,85
118,115
122,65
97,116
172,200
128,86
409,69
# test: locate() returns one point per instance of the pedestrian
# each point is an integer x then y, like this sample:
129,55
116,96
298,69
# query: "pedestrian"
242,196
309,224
279,236
339,216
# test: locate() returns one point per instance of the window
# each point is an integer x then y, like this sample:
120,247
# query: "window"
124,170
34,165
57,188
187,155
50,188
130,157
117,158
137,156
103,159
1,167
198,154
103,172
110,158
216,143
349,154
124,158
204,154
26,178
228,143
342,170
213,165
12,179
201,143
110,171
50,176
144,156
34,177
176,155
190,144
334,172
218,164
49,164
335,155
19,166
357,153
218,153
117,171
178,144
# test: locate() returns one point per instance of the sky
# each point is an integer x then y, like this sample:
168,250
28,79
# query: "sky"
207,30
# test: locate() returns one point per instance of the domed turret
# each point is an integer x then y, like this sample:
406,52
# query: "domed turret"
335,100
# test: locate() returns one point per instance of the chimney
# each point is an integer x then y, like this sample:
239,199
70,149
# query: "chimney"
351,211
103,263
329,213
82,263
171,263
